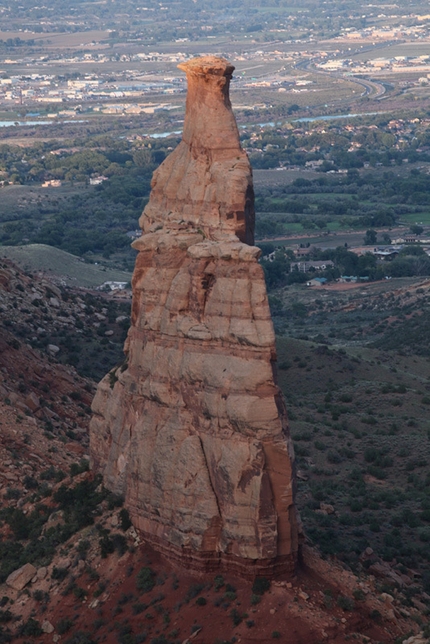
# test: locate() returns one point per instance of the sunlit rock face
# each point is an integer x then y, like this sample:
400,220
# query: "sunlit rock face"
194,432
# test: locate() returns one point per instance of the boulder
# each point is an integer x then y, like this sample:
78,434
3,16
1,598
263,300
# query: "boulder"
19,578
47,627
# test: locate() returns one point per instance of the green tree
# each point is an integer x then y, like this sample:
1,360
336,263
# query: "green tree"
370,237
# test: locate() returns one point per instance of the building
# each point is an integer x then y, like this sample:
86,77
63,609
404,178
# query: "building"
317,281
53,183
305,267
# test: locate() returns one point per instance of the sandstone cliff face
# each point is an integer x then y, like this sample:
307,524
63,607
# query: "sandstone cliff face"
194,432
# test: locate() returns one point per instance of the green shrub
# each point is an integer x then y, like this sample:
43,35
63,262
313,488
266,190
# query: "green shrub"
5,616
64,625
79,592
41,596
80,637
145,580
345,603
78,468
218,582
334,457
59,573
236,617
125,519
260,586
193,591
138,608
30,628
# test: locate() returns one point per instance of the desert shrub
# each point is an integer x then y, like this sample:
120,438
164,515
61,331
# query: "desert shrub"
377,457
64,625
218,582
114,501
145,580
12,493
260,586
300,450
78,468
5,616
345,603
125,519
193,591
377,472
30,483
334,457
79,592
107,546
80,637
236,616
52,474
59,573
138,608
30,628
319,445
369,420
79,504
119,543
41,596
83,547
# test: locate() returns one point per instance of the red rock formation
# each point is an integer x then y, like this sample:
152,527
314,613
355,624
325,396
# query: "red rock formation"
194,432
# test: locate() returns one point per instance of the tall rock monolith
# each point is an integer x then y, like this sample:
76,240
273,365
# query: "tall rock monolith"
192,428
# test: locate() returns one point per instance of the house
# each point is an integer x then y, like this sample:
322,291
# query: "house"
305,267
348,278
317,281
386,254
96,181
302,252
53,183
113,286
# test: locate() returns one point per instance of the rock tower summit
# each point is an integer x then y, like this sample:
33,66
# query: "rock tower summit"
192,429
206,183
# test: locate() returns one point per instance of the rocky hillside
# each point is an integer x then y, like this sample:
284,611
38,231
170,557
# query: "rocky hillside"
76,327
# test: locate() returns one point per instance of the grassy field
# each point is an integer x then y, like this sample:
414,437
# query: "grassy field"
400,49
420,218
72,270
60,40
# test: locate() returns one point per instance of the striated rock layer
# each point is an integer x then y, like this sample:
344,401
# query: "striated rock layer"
192,429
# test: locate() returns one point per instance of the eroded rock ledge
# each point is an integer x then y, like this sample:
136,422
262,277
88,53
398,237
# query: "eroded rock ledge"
192,430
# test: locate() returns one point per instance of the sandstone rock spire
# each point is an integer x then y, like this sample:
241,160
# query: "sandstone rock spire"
192,429
206,182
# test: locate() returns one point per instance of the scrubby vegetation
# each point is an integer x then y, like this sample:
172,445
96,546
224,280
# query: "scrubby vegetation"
357,386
